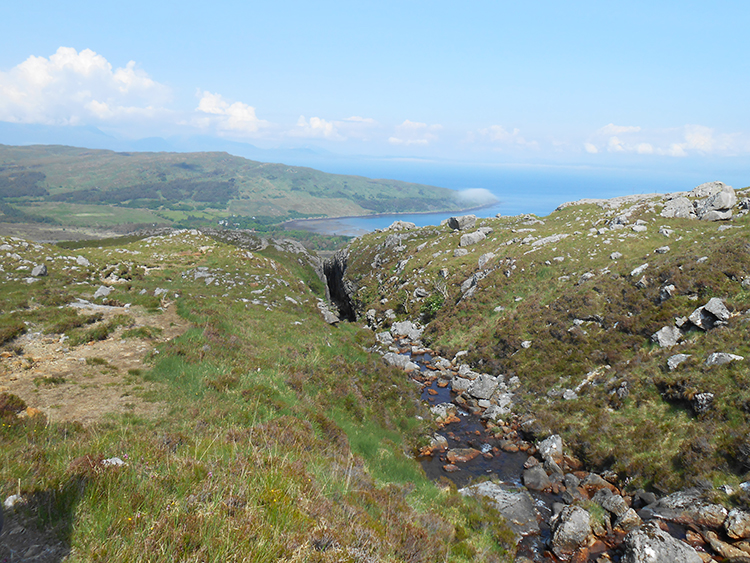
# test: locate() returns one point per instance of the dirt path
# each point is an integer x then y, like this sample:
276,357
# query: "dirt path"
87,382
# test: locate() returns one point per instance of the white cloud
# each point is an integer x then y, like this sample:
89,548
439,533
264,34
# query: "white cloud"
414,133
74,88
677,141
316,128
233,119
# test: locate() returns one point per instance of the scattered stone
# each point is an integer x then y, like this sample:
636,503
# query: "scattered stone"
686,507
103,291
639,228
638,271
721,358
460,252
666,292
615,256
662,250
82,261
384,338
39,271
112,462
667,337
707,189
676,360
444,413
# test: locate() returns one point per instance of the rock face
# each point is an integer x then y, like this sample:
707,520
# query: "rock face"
517,507
462,222
571,531
649,544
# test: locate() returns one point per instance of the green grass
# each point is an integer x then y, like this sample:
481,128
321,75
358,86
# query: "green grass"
279,441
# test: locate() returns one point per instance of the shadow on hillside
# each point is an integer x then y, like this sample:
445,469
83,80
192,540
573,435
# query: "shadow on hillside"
38,529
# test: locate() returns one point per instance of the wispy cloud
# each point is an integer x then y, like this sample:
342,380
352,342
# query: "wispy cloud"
74,88
500,137
414,133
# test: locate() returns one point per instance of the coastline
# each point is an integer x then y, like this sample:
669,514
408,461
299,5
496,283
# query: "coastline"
347,223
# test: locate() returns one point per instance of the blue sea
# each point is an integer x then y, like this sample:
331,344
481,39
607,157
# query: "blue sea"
519,189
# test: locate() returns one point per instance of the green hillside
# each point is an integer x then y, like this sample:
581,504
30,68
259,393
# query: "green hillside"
98,188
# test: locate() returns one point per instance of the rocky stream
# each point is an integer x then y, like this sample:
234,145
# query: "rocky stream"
557,510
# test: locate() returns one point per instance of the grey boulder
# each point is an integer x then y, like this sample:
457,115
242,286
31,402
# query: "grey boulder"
649,544
462,222
667,336
472,238
570,531
517,507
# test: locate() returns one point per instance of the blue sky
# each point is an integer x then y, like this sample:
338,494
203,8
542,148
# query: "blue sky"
599,83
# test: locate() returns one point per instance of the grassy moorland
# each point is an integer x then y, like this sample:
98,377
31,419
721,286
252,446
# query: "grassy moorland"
104,189
560,303
248,429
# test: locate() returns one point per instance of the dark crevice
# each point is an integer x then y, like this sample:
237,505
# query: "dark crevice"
340,290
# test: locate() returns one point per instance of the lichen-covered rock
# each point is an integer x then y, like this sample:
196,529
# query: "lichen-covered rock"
737,524
517,507
551,448
650,544
571,531
483,386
